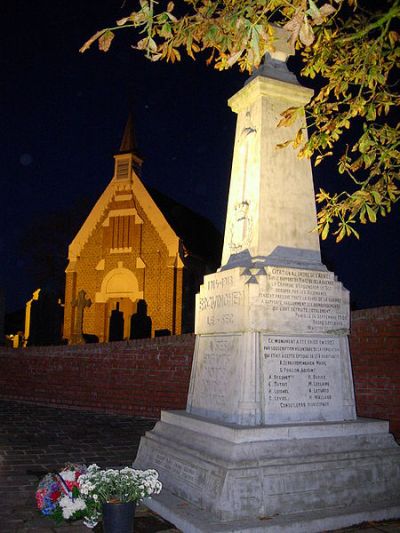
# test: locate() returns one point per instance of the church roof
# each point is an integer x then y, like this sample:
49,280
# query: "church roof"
173,221
198,234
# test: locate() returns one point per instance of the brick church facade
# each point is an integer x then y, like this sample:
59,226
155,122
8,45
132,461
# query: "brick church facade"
137,254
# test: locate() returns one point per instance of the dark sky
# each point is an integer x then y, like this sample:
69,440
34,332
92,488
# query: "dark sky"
63,114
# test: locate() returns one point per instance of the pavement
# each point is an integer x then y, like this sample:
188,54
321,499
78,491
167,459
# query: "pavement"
35,440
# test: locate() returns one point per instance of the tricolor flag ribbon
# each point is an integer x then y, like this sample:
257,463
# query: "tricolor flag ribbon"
64,487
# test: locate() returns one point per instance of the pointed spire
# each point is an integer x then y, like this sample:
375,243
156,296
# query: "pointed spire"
129,146
128,143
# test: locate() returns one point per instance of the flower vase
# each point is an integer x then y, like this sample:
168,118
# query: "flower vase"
118,517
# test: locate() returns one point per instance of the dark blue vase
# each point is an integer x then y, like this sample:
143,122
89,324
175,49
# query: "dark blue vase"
118,517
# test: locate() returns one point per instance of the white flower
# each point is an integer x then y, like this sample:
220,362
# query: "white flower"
68,475
69,506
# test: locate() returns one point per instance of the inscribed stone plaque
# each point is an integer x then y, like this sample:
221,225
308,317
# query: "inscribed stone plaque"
302,378
180,469
299,301
273,300
220,303
215,384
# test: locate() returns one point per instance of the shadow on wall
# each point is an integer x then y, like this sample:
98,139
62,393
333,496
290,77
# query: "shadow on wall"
140,322
140,325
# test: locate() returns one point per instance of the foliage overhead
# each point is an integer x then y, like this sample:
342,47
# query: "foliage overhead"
354,57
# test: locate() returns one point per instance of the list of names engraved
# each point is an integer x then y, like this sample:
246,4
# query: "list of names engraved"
302,378
308,296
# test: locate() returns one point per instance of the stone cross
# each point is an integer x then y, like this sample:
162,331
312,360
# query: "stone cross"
80,303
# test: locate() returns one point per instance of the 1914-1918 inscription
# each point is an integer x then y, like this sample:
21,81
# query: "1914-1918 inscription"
278,300
302,378
219,303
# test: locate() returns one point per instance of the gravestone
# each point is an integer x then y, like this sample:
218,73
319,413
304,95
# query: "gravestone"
116,329
43,319
270,440
80,303
141,323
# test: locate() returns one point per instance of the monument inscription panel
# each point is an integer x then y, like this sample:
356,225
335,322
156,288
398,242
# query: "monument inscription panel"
178,468
219,305
216,363
302,378
273,300
306,301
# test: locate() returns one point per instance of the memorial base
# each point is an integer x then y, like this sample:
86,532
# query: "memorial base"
191,519
221,477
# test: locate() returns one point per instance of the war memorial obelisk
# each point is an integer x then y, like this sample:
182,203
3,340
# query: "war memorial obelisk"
270,440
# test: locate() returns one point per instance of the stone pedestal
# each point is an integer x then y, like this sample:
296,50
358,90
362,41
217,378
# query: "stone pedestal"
270,440
276,338
229,473
224,477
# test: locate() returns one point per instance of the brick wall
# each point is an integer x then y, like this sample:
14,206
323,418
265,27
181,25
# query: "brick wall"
139,377
375,349
143,377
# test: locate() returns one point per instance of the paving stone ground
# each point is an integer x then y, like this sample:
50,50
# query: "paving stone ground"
35,440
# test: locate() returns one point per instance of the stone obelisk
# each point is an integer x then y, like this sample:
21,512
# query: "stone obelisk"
270,429
273,322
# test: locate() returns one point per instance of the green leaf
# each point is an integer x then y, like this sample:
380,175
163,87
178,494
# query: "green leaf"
363,210
371,213
377,197
355,233
364,144
341,234
313,11
371,113
325,231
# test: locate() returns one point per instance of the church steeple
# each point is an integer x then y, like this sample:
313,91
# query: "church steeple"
127,157
128,143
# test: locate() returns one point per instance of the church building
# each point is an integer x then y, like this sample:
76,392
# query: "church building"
137,261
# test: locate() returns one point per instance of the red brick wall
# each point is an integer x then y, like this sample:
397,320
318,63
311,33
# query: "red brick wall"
142,377
375,349
138,377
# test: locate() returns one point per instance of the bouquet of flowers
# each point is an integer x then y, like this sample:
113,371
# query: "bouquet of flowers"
58,495
114,486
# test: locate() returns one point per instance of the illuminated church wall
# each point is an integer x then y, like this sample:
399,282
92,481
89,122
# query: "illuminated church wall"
126,251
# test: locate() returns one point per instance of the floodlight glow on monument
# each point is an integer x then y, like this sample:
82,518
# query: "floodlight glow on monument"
270,426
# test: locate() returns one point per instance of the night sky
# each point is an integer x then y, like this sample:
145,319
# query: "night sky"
63,115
